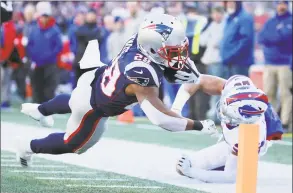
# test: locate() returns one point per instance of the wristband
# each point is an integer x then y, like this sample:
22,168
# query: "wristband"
197,125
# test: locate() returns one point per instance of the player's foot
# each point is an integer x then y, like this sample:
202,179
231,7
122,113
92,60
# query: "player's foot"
31,109
184,166
23,152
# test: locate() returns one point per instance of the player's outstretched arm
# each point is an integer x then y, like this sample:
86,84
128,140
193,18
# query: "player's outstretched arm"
185,168
158,113
211,85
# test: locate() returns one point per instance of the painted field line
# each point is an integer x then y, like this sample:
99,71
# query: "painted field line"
114,186
81,179
288,143
34,166
52,172
8,156
15,161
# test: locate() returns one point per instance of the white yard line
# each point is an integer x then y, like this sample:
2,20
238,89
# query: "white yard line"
115,186
81,179
287,143
34,166
11,160
52,172
7,156
146,161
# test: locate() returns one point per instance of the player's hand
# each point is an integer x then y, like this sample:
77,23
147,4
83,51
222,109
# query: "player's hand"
183,166
187,77
209,128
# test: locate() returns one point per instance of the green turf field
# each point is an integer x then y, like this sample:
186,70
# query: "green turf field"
49,176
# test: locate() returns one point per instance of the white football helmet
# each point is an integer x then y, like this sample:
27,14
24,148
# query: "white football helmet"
241,102
162,38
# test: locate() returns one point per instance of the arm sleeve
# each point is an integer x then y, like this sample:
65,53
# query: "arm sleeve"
142,74
180,100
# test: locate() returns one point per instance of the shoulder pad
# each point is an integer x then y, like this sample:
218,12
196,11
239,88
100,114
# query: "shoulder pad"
142,74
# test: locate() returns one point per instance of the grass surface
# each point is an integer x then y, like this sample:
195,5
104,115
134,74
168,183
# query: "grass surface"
142,131
18,180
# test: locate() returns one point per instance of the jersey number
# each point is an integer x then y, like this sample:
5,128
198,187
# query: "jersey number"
139,57
110,78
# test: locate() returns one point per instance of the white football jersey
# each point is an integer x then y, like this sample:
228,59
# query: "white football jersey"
230,134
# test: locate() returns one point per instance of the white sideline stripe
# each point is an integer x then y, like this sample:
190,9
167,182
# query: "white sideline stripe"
35,166
115,186
15,161
52,172
288,143
83,179
8,156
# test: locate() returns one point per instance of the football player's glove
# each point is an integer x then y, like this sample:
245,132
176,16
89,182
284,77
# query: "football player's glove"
209,128
183,166
188,76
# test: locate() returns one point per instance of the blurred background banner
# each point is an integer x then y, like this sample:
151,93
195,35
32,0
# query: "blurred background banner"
43,42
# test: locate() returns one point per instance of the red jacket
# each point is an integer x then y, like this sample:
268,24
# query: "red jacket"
65,57
9,32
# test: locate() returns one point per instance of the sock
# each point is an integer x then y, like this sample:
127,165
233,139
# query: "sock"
57,105
52,144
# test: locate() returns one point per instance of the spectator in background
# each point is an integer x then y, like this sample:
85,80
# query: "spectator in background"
276,38
195,25
78,21
7,36
85,33
29,12
237,47
136,17
106,30
44,45
117,39
176,9
211,38
109,23
65,59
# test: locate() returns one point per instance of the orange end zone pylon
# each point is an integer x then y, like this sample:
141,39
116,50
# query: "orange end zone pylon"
126,117
247,158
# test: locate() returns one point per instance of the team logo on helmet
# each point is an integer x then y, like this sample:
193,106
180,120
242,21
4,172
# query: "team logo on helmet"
248,111
164,30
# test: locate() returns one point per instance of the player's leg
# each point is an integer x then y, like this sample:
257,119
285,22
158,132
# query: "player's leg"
87,131
84,127
42,112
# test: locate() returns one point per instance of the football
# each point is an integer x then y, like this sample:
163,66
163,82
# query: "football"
169,73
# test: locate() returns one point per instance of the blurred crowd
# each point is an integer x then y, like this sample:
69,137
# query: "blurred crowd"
226,38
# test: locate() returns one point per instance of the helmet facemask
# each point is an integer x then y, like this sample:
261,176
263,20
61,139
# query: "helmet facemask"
174,56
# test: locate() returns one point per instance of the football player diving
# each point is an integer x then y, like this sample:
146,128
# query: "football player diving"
134,76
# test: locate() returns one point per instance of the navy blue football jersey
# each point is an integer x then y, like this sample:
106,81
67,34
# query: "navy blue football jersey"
129,67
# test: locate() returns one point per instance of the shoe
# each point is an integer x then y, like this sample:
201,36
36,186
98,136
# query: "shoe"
31,109
23,152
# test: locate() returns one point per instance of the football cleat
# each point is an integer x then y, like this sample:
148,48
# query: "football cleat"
31,109
23,152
